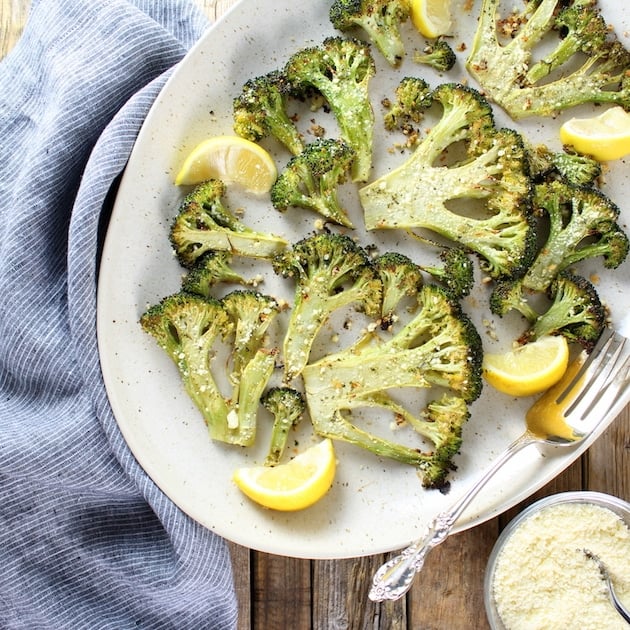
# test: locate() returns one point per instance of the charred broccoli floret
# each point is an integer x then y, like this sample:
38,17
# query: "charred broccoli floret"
412,99
188,328
493,174
311,180
211,269
439,347
439,55
260,110
577,169
582,224
379,19
401,278
456,272
514,75
203,224
575,310
341,69
330,272
287,406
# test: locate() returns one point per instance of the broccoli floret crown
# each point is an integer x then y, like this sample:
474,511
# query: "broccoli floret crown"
592,61
456,272
439,55
412,98
311,180
401,278
287,405
379,19
209,270
260,110
341,69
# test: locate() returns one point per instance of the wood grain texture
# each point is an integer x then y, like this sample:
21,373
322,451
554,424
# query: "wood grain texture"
275,592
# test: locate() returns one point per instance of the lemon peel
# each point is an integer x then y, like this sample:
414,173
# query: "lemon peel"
528,369
295,485
605,137
432,18
233,160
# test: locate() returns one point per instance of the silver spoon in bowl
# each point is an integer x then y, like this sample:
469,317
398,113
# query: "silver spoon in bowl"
619,607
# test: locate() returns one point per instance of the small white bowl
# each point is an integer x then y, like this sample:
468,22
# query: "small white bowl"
614,504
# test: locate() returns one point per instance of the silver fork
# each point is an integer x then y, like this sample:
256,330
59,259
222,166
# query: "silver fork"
580,403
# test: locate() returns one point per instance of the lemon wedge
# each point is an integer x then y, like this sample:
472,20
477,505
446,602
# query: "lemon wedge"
233,160
529,369
292,486
432,18
606,137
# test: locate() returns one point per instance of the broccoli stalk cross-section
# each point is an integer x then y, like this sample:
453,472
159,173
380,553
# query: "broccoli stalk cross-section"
311,180
575,311
189,328
204,224
341,69
493,172
582,224
379,19
438,348
592,64
330,272
260,111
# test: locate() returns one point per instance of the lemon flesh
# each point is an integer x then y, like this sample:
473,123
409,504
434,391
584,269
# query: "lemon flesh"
295,485
529,369
231,159
605,137
432,18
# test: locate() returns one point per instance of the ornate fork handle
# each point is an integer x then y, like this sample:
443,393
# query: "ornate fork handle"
395,577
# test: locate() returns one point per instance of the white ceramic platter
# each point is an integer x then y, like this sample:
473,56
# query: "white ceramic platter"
374,505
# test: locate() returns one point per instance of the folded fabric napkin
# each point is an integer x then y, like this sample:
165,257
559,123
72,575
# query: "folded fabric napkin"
86,539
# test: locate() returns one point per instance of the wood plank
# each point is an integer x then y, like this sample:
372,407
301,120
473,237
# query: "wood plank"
607,462
281,592
340,597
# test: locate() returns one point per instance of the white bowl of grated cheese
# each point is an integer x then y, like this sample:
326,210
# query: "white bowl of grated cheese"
538,575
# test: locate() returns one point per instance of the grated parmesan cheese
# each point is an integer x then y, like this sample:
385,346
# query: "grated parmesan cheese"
543,580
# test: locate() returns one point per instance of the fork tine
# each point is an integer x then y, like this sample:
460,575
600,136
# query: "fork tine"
610,390
607,345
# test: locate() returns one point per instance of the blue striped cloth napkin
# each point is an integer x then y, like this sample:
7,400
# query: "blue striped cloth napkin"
86,539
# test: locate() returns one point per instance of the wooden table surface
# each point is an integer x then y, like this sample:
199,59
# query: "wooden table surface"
278,593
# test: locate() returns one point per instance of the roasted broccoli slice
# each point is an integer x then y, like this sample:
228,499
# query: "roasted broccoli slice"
439,55
260,110
341,69
412,99
252,313
582,224
591,63
311,179
401,278
456,272
575,309
330,272
379,19
577,169
204,223
492,174
439,348
287,405
576,312
188,328
209,270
